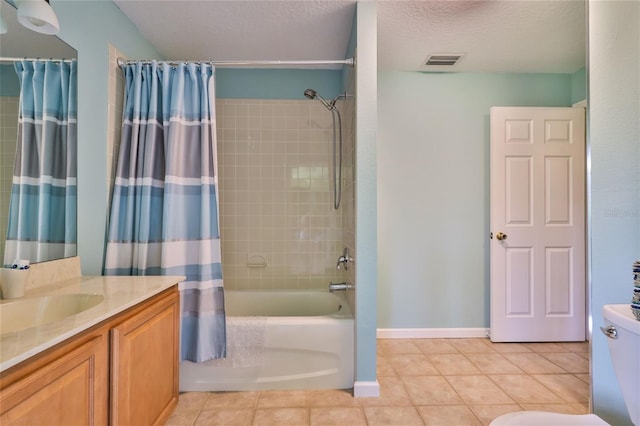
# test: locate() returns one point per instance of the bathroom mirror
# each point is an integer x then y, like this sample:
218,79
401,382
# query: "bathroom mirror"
17,42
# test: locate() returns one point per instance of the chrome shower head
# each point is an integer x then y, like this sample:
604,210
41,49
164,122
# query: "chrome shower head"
312,94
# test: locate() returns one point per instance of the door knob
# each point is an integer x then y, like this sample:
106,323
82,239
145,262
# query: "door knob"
500,236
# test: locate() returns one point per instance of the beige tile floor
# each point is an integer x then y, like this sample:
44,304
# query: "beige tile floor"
422,382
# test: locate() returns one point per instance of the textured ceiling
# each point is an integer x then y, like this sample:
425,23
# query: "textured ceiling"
244,30
546,36
496,35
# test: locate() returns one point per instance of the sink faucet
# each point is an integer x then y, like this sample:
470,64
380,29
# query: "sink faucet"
344,259
339,287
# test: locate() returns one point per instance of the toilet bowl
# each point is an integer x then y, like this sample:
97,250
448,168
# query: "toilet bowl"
623,332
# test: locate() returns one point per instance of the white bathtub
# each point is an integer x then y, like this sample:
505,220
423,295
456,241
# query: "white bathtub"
280,339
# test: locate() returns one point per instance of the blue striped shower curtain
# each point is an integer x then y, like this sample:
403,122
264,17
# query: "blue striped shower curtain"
42,207
164,210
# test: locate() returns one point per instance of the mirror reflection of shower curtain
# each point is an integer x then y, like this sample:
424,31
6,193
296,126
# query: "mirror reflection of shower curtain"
164,210
42,208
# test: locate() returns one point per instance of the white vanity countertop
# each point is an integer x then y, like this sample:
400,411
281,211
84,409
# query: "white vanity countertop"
120,293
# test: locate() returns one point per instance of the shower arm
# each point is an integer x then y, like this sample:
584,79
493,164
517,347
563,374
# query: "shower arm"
334,100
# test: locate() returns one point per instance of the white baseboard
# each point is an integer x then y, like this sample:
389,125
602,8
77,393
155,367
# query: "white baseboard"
431,333
366,389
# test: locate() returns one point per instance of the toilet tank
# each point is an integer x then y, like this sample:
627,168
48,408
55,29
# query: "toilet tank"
625,354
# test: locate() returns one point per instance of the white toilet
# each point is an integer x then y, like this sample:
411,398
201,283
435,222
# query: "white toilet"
623,331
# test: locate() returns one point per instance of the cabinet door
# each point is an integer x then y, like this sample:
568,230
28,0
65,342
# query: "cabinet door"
69,389
144,364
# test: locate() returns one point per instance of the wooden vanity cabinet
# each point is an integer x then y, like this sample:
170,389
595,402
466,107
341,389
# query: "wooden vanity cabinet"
123,371
66,386
144,365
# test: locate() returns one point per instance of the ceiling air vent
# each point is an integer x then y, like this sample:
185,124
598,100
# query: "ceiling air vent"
444,59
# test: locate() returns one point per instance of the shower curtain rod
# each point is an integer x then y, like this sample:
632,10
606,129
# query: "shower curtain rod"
350,62
3,59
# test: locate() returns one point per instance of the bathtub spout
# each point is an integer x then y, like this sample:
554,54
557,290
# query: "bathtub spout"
339,287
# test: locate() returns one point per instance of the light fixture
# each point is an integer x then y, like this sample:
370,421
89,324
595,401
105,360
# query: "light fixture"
38,16
3,25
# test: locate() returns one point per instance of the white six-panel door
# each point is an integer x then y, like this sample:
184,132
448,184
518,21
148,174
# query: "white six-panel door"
537,224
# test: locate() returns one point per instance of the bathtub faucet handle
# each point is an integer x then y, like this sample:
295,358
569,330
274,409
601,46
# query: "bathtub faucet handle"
345,259
339,286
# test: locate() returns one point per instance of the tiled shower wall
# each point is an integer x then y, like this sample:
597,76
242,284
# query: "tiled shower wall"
278,225
276,192
8,140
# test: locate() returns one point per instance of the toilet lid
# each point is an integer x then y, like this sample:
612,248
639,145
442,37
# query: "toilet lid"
540,418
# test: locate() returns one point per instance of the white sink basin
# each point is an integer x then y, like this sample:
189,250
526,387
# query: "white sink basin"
35,311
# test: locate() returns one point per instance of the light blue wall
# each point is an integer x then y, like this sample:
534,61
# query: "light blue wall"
433,191
89,26
579,85
614,138
366,194
276,83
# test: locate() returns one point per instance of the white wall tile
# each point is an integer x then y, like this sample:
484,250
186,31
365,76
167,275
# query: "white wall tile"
276,193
